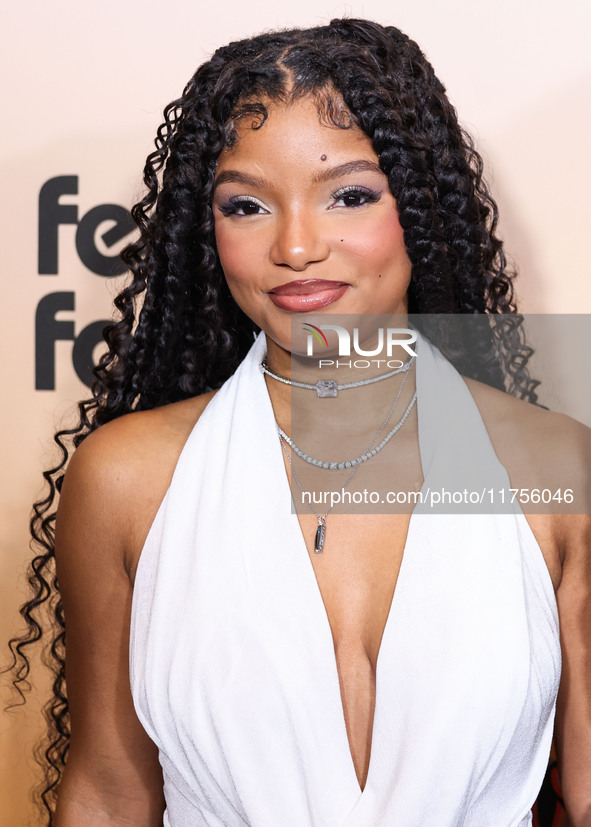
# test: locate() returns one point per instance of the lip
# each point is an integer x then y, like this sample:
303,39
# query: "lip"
307,294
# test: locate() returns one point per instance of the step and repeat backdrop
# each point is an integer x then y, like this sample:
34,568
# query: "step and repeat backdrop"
84,85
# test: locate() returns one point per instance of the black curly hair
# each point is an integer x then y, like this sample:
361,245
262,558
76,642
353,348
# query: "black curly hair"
189,335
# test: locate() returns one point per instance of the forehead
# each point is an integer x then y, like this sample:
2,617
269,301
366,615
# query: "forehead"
295,135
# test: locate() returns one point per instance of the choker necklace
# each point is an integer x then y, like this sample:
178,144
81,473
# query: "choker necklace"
327,388
349,464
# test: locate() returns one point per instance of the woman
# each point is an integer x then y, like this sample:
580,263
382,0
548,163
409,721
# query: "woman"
318,169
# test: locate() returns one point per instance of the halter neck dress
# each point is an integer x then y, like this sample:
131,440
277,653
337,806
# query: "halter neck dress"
232,663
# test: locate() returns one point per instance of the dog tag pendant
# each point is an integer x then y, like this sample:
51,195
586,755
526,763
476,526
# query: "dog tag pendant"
320,535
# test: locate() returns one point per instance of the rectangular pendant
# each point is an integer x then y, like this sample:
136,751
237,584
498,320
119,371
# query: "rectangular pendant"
320,535
326,388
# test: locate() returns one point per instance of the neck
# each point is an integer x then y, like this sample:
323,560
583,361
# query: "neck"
353,410
374,345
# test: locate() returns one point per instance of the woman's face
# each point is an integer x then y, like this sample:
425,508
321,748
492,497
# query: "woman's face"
305,222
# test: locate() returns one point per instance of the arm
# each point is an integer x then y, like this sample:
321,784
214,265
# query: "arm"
112,776
573,711
541,449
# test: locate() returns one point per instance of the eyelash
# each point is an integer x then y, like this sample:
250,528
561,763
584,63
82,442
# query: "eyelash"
233,205
368,196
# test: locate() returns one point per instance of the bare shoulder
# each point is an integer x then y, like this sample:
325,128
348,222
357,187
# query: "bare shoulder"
548,446
548,458
127,444
119,475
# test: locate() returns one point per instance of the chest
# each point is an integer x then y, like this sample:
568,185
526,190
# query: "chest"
356,575
358,570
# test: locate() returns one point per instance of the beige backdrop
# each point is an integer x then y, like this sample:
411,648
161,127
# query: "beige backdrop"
84,85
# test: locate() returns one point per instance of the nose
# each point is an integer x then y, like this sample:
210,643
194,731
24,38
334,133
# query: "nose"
299,241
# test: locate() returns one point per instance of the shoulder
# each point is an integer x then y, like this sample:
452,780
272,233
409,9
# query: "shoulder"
120,452
548,458
544,442
129,442
119,474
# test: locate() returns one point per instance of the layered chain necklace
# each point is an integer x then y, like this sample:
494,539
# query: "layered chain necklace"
353,464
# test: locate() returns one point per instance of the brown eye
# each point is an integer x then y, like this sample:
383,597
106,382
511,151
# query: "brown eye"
355,197
249,208
242,206
352,199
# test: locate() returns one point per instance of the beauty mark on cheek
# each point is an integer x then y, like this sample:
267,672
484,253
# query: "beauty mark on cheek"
323,157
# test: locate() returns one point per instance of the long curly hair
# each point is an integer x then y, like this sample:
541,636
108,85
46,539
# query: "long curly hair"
179,331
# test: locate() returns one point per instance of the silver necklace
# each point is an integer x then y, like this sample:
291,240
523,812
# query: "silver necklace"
370,452
321,529
326,388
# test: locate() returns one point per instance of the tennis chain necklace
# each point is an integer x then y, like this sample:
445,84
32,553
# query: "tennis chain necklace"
326,465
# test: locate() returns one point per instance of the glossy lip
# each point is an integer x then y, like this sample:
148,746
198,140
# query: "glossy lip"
304,287
308,294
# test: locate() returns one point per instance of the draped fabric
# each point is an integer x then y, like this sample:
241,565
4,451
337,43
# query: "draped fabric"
232,662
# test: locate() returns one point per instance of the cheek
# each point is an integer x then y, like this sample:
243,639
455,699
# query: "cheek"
238,252
392,234
227,249
381,243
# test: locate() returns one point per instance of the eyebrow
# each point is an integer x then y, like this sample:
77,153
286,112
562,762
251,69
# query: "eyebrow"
234,177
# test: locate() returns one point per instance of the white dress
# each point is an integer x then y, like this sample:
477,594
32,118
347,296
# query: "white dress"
233,672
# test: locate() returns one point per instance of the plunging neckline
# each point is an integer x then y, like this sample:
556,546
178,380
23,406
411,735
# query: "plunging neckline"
311,575
299,543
